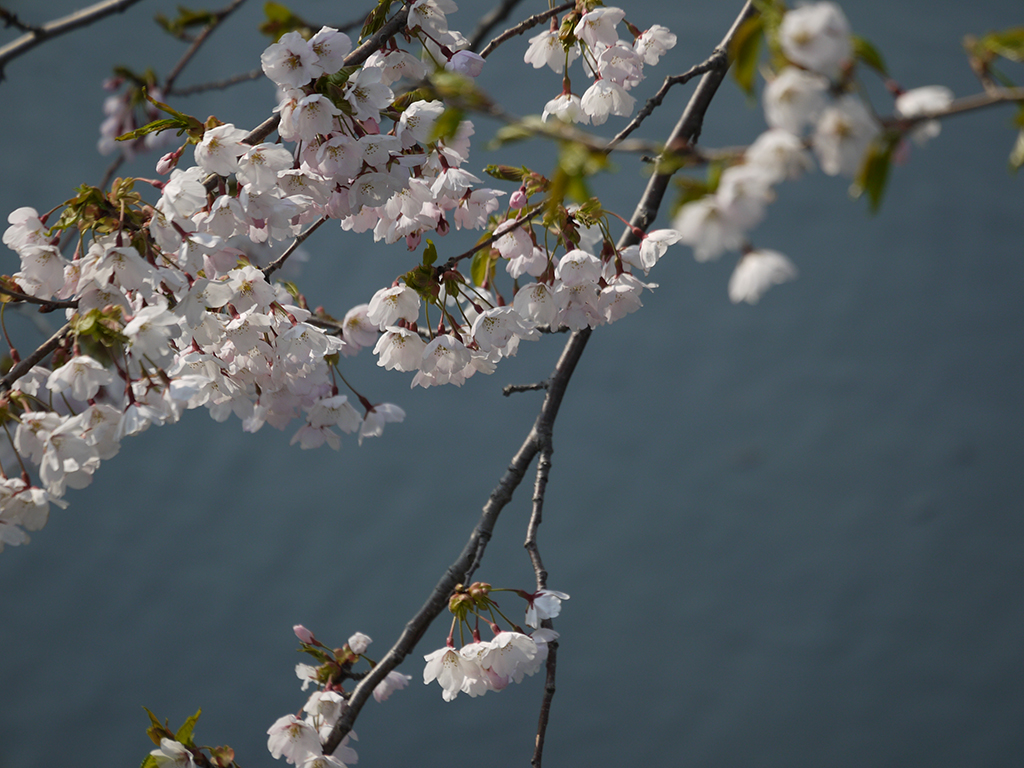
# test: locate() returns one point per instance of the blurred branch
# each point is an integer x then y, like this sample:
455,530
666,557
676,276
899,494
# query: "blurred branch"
218,18
61,26
254,74
489,21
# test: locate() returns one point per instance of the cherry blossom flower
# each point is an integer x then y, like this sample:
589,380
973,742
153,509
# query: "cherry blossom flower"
220,149
377,417
756,272
653,43
597,27
817,36
466,63
450,669
395,681
290,62
331,47
544,604
794,98
780,154
293,739
605,97
173,755
923,101
842,136
547,49
705,226
566,107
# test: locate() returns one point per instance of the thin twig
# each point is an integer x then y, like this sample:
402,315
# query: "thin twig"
522,220
988,98
497,15
545,704
536,516
61,26
523,26
20,369
539,487
217,85
201,38
47,304
511,389
718,59
277,263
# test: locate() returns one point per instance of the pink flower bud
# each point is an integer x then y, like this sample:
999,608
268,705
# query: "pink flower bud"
304,635
358,643
466,63
166,163
517,200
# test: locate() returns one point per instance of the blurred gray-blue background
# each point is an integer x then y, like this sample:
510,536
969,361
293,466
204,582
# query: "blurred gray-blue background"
792,533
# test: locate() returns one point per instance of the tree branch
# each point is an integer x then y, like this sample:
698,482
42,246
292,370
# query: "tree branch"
461,570
26,365
497,15
61,26
277,263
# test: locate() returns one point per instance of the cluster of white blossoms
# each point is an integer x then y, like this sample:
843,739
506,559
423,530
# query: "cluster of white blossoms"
490,665
615,65
299,739
813,112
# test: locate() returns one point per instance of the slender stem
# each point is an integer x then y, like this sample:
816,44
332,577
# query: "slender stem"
277,263
198,42
523,26
61,26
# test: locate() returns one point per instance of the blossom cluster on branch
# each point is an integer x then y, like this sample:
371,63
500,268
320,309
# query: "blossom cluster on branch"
168,309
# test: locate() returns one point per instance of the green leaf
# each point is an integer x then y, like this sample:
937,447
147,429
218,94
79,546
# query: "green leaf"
186,18
447,124
429,254
506,172
868,54
280,20
150,762
376,19
157,126
181,121
184,734
874,172
480,267
744,52
1009,44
